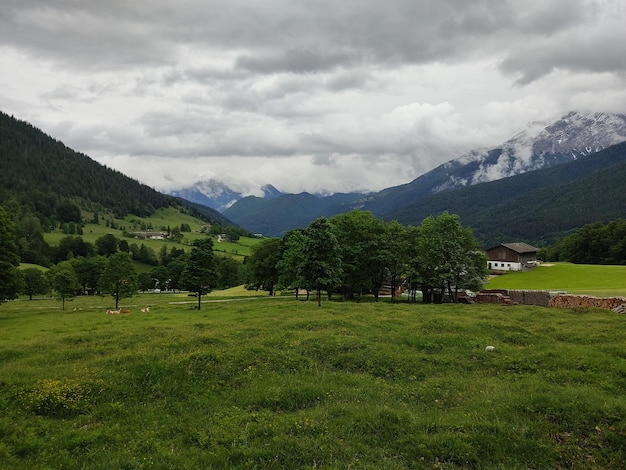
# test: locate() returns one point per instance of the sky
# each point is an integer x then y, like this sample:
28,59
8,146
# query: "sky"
306,95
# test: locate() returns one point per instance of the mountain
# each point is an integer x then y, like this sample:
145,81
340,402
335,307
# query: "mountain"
41,175
539,146
274,217
538,206
218,195
211,193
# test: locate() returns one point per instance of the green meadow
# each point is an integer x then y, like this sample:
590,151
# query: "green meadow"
169,217
277,383
598,280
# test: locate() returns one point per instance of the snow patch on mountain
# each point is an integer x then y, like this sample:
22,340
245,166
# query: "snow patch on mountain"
540,145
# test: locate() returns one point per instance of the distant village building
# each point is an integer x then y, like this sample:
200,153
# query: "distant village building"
150,235
512,257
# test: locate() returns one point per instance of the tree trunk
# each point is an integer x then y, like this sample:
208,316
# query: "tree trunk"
199,300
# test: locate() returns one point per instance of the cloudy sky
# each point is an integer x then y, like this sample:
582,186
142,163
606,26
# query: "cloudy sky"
308,95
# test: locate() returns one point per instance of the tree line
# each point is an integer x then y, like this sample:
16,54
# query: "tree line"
355,253
598,243
106,267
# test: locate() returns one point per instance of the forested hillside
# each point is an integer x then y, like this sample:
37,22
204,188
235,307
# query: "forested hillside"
275,216
41,175
538,207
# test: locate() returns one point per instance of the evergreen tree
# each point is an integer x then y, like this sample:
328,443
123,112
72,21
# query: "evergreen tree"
9,260
199,274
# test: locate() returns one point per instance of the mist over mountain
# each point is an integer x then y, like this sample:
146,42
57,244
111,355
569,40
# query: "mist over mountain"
539,146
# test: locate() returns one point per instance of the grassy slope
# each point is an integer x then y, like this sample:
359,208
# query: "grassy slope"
602,281
277,383
161,218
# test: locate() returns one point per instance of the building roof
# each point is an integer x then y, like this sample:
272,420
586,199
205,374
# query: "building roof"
518,247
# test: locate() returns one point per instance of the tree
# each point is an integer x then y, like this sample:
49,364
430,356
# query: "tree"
290,263
262,264
64,281
147,255
199,273
394,255
145,281
88,271
68,212
321,265
176,235
361,238
175,270
9,260
72,246
160,278
33,247
119,278
228,273
33,282
447,256
106,245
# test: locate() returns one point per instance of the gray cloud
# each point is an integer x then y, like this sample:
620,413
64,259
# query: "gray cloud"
366,93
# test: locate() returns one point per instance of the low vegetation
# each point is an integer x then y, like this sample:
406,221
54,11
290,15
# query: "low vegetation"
279,383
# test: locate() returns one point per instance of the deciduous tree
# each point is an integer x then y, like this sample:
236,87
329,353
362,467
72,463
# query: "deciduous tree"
119,278
321,264
64,281
33,282
262,264
447,257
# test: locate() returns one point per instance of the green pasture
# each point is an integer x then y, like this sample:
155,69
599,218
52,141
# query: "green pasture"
169,217
597,280
269,383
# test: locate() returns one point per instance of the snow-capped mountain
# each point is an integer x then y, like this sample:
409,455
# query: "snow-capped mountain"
212,193
217,194
539,146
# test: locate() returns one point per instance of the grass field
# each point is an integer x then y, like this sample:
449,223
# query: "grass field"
278,383
601,281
